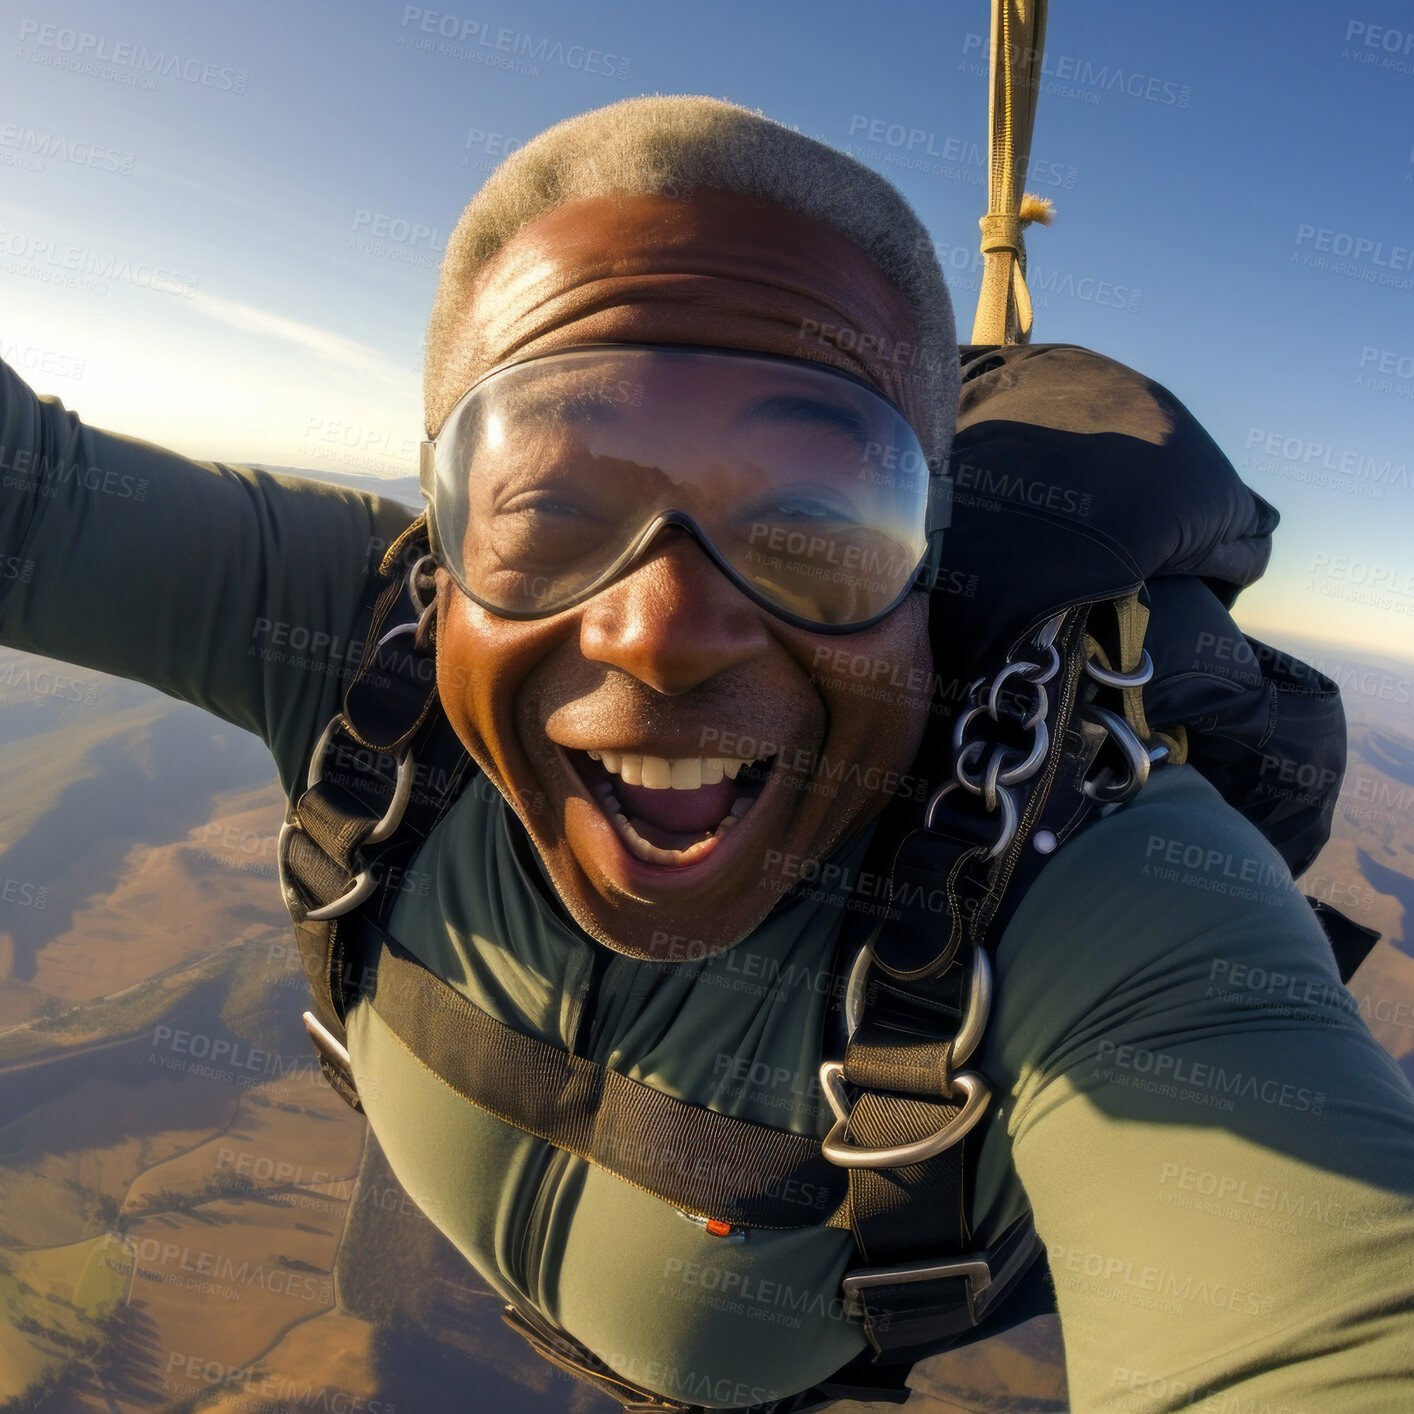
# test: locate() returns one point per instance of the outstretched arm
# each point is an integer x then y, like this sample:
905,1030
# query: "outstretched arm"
1219,1155
237,590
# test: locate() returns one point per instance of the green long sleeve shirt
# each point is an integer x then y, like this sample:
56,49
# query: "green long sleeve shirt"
1224,1184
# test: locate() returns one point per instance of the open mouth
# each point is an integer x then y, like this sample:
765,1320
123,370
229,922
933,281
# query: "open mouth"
671,812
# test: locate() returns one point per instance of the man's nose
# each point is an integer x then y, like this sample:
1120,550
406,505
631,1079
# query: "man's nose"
674,620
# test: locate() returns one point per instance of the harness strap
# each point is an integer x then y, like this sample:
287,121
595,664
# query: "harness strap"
919,989
712,1165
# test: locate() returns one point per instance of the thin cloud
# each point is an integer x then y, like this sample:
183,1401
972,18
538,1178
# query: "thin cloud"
334,348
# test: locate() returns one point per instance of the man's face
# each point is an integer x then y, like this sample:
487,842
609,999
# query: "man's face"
672,664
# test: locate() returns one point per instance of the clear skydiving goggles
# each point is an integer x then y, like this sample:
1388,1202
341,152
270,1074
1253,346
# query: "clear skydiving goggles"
806,486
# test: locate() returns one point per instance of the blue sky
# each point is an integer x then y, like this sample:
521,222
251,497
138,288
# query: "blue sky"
228,243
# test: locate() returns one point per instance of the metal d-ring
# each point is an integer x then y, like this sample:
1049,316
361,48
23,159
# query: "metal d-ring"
1009,814
838,1150
402,793
414,574
1136,757
1111,678
402,787
419,638
979,1007
854,989
412,626
974,1021
1009,821
989,778
364,883
960,767
1019,669
1052,667
1026,767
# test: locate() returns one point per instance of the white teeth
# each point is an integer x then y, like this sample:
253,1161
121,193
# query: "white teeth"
660,773
685,774
657,773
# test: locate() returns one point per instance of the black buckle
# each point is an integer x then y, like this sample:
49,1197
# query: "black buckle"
975,1268
898,1317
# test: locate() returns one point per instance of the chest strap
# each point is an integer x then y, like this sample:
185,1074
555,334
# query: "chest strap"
710,1165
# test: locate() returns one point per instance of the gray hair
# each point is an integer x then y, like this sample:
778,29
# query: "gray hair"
676,144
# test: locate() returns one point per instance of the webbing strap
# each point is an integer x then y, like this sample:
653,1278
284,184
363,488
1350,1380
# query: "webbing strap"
907,1051
708,1164
1018,39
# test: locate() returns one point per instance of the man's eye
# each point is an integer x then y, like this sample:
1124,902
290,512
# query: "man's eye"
543,503
803,508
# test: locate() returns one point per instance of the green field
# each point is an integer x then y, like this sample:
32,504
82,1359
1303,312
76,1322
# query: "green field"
52,1305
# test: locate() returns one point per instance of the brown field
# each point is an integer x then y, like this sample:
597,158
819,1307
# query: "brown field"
190,885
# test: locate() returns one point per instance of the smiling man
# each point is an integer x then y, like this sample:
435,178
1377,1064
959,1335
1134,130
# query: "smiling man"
690,388
705,638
